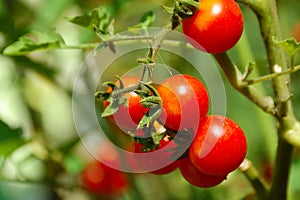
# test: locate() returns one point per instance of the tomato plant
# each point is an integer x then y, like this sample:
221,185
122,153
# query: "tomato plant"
41,110
184,100
216,27
128,116
196,177
219,146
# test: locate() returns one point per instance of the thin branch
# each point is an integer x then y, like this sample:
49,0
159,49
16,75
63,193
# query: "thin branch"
271,76
235,77
259,184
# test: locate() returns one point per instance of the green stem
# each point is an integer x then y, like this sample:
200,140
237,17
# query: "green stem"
282,167
270,27
272,76
259,184
235,77
115,38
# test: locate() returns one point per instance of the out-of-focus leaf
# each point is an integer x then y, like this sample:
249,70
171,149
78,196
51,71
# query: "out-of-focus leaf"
73,164
146,21
10,139
289,45
35,41
97,20
7,133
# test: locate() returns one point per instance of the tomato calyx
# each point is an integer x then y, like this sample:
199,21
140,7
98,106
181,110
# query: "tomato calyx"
186,8
182,9
115,96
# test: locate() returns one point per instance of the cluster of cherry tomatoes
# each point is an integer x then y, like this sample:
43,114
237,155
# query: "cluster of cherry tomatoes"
214,145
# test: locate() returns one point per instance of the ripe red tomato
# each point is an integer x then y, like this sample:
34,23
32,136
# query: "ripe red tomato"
196,177
128,117
164,157
101,179
219,146
216,27
185,101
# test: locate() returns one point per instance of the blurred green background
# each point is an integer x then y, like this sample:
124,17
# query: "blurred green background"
40,151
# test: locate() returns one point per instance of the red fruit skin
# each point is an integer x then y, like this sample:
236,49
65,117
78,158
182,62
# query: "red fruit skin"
101,179
127,118
219,146
164,157
216,27
197,178
185,101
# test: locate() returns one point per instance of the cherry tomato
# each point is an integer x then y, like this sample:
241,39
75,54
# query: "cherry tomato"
185,101
196,177
216,27
219,146
101,179
128,117
164,157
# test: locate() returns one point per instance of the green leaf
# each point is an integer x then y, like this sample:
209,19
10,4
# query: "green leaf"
146,21
97,20
8,146
289,45
73,164
10,139
35,41
112,108
114,105
8,133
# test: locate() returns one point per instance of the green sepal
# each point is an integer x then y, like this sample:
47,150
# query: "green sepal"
102,95
147,143
168,9
182,140
186,8
150,116
150,101
114,105
289,45
158,137
33,41
110,84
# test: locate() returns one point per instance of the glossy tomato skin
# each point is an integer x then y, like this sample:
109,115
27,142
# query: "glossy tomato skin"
197,178
185,101
216,27
164,156
101,179
219,146
128,117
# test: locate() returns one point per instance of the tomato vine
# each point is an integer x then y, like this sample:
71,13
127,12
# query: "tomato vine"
151,103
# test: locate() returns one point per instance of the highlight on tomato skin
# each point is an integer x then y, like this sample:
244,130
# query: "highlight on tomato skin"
197,178
219,146
185,101
216,27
